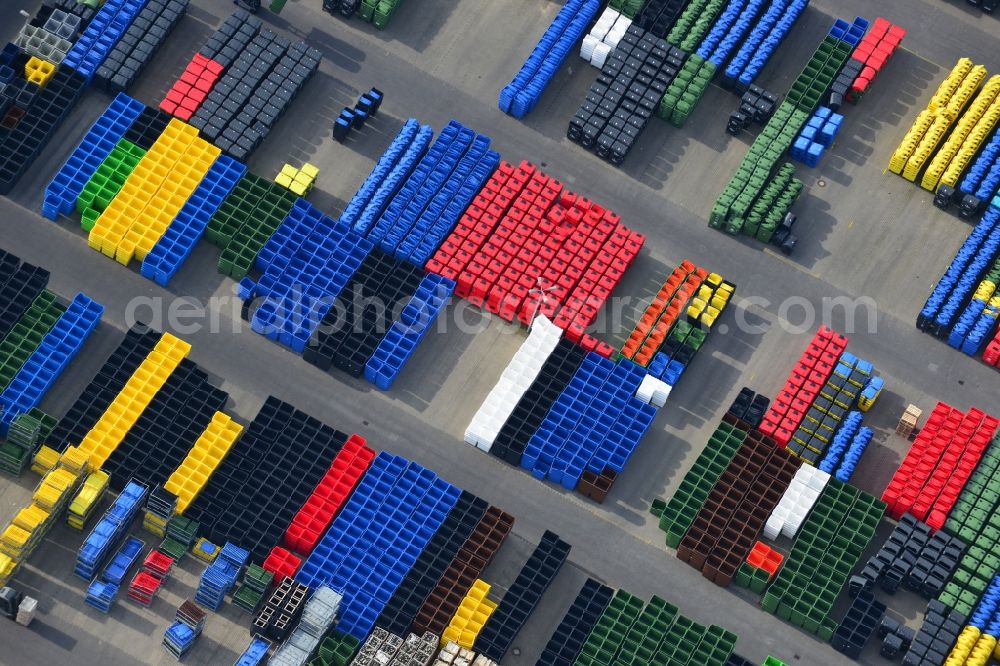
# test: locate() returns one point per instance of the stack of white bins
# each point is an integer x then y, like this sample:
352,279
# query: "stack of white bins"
604,37
515,380
453,655
653,391
317,618
796,503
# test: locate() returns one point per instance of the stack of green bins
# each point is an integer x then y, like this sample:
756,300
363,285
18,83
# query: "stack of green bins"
27,334
183,530
337,649
687,335
378,12
771,207
629,8
608,635
22,440
647,634
694,23
107,181
827,548
688,642
254,587
173,548
753,578
776,138
248,216
975,519
686,90
772,661
677,515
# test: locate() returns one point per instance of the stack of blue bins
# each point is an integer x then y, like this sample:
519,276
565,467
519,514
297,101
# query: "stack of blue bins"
61,193
102,34
816,136
254,654
220,576
594,424
176,244
665,368
970,277
982,180
375,539
41,369
933,318
841,441
767,34
853,454
851,33
101,595
521,95
395,349
987,611
179,639
109,530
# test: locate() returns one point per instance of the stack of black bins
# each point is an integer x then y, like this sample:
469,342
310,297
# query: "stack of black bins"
167,429
85,12
235,33
531,409
140,42
24,284
362,313
626,94
938,633
659,16
147,127
581,618
265,478
398,615
102,389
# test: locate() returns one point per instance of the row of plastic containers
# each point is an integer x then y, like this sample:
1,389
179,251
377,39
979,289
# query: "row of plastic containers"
522,370
572,631
47,362
651,633
655,16
107,181
803,385
817,429
526,246
974,257
253,92
761,40
677,514
779,134
914,557
172,424
872,53
521,95
667,308
937,466
972,520
403,606
602,39
737,508
267,476
312,520
979,184
694,23
245,220
796,502
34,116
392,491
139,43
818,135
108,533
965,140
621,101
827,548
346,337
932,124
204,69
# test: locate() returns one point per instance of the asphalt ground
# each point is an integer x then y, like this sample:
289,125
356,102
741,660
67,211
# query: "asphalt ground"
863,233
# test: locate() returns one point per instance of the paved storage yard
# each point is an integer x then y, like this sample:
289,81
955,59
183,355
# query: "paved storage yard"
862,233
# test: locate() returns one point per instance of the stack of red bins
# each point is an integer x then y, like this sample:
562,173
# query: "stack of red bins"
312,520
764,557
189,91
938,465
144,587
992,354
525,246
281,563
873,52
158,564
802,386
